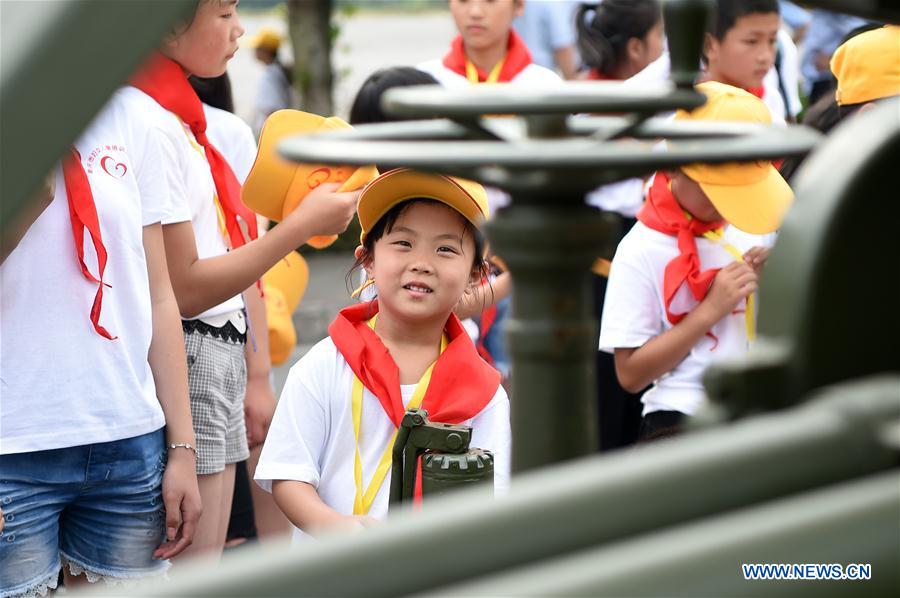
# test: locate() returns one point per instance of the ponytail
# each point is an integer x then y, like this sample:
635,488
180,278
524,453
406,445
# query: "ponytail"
605,28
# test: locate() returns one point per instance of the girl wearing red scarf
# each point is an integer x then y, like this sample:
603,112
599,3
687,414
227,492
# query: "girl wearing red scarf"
487,49
344,400
211,245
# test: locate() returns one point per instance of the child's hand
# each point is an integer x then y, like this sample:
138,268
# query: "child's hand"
181,497
259,407
734,282
756,258
324,211
356,523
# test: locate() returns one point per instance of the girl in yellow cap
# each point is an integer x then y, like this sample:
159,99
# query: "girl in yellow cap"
324,458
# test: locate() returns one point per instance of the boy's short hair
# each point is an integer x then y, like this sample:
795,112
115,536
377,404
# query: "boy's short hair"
727,12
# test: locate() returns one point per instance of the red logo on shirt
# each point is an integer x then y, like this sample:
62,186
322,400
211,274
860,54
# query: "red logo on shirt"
113,168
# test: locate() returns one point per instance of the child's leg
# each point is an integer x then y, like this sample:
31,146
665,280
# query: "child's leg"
217,380
215,491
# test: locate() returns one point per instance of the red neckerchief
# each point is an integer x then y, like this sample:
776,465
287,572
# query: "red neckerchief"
662,213
83,215
757,91
517,58
595,75
164,80
461,386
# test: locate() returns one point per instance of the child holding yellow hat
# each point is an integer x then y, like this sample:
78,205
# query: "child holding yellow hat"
682,280
343,401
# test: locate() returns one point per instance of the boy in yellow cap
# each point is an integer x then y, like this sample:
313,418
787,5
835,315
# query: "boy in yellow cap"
867,68
682,281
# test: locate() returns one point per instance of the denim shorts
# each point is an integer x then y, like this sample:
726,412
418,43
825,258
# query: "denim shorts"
97,507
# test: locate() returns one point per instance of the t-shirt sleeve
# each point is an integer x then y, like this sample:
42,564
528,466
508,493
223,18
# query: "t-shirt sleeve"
491,431
562,24
631,310
163,196
296,439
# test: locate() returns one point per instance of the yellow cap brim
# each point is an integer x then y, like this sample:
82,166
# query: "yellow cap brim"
401,185
757,208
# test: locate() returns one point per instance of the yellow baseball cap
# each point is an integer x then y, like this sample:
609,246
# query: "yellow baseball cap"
284,285
402,184
275,186
867,66
752,196
265,38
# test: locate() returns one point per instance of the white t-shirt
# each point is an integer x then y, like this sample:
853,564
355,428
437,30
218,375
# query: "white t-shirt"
311,438
532,75
61,383
233,138
274,93
188,177
634,311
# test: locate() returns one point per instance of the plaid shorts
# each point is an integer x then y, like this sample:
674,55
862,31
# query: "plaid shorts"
217,381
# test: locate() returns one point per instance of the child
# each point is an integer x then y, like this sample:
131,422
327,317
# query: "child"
210,260
98,467
617,39
487,49
421,248
274,91
679,291
741,48
867,68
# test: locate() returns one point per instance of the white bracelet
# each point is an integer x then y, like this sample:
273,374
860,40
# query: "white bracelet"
185,445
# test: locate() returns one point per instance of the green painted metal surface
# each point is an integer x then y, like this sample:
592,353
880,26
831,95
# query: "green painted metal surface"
59,62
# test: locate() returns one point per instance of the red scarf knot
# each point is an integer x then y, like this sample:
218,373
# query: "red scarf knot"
462,384
662,213
517,59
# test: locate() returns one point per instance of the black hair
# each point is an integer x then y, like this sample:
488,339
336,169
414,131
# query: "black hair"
386,223
727,12
214,91
367,105
604,30
822,116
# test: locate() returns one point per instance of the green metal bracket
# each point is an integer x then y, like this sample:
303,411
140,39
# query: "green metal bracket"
60,62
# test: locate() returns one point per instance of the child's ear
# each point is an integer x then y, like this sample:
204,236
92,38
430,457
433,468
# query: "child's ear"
363,257
479,272
518,7
634,49
710,47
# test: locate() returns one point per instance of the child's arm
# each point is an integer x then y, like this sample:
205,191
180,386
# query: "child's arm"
301,504
15,231
202,283
259,399
482,296
637,367
168,363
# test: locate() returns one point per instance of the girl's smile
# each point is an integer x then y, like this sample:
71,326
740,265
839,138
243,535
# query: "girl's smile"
422,265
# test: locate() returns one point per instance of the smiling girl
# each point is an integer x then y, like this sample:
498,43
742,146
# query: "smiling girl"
421,248
211,246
